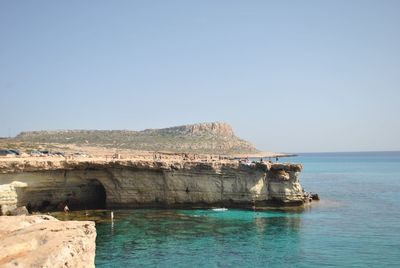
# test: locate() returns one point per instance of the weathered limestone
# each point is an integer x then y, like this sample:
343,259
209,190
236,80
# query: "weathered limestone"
127,183
283,183
43,241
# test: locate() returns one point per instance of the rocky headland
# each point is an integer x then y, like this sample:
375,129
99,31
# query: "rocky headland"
191,166
210,138
46,183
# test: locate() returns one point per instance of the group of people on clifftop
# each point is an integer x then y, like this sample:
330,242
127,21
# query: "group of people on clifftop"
246,160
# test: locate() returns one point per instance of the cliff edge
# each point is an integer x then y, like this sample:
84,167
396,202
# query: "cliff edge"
44,184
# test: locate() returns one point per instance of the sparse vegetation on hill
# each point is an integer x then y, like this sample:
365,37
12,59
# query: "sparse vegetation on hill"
213,138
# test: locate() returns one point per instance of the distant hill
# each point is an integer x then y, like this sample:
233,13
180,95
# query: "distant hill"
213,138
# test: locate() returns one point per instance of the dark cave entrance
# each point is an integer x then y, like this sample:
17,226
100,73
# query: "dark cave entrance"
77,195
91,195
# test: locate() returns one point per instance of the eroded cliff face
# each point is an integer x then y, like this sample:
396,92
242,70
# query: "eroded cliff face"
128,184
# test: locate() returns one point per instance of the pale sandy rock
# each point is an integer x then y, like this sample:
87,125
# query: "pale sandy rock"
18,211
43,241
7,207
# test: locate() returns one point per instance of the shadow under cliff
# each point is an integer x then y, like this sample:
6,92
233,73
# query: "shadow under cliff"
87,194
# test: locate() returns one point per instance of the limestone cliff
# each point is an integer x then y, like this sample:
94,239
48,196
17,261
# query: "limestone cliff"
43,241
214,138
132,183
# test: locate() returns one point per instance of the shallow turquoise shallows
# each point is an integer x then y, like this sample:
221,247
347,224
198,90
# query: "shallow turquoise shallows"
356,224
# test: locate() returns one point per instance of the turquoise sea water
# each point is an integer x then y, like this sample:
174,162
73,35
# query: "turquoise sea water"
356,224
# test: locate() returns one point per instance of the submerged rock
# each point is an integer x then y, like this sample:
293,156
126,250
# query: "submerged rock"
314,196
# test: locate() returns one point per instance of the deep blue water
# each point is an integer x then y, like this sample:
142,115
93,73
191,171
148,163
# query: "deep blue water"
356,224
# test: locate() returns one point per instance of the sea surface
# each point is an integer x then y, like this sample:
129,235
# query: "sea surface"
356,224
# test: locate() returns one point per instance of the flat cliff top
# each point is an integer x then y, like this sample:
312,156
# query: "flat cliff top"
210,138
44,241
149,161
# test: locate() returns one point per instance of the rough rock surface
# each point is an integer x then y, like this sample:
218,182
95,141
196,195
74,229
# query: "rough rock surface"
43,241
128,183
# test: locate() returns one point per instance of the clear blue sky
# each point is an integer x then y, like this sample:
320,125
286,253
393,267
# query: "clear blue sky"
290,76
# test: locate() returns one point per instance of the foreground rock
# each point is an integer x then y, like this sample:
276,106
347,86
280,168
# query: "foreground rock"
97,183
43,241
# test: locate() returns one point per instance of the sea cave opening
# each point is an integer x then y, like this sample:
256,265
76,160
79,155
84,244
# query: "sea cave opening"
91,195
77,195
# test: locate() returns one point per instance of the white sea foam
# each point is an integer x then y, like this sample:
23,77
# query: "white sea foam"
219,209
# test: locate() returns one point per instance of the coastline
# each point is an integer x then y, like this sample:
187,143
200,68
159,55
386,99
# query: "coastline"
156,180
147,180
